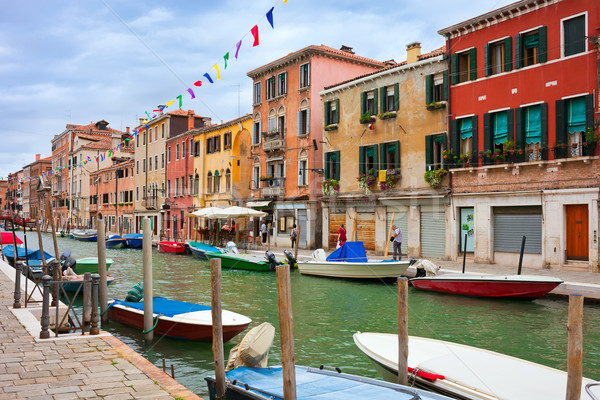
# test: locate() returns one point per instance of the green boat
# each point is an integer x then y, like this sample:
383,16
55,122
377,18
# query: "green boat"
241,261
89,264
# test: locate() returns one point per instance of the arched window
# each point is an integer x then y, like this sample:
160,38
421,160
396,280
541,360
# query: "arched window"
227,181
217,179
256,129
303,116
281,121
255,184
272,122
196,184
303,168
209,182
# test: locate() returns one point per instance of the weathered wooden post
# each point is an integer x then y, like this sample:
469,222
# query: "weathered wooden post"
217,330
284,302
102,267
403,331
18,269
87,298
94,329
387,239
45,320
575,347
147,260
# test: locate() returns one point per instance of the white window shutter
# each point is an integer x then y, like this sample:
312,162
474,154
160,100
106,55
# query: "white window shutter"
307,121
307,83
299,123
259,131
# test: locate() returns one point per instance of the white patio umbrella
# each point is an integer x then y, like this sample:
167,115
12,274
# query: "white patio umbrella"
237,212
209,212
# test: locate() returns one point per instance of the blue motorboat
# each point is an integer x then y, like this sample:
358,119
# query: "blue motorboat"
115,241
134,240
199,249
89,235
34,257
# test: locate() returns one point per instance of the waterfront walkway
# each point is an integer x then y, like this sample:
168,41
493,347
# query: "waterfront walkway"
74,366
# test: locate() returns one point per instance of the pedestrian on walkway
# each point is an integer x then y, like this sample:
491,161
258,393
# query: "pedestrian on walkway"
341,235
397,235
293,235
263,232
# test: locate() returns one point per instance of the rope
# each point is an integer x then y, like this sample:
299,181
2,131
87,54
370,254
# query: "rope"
151,329
109,306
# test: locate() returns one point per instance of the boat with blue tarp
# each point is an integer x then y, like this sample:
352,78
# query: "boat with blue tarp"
134,240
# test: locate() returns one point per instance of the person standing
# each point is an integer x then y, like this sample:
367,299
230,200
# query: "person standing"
397,235
263,232
294,235
341,235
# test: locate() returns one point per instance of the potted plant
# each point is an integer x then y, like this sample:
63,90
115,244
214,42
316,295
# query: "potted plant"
387,115
464,159
331,127
434,177
390,182
367,118
592,137
365,181
498,156
331,187
266,178
435,105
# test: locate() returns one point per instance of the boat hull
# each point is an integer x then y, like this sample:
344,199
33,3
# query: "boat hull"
200,249
134,240
85,238
73,285
363,270
115,242
492,286
89,264
237,261
171,247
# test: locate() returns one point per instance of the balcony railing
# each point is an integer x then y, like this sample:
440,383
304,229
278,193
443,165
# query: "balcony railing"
150,202
274,187
274,145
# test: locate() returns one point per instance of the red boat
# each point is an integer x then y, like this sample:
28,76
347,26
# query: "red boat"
171,247
499,286
178,319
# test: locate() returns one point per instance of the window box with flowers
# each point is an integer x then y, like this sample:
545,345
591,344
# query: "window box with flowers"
367,118
464,159
591,137
387,115
331,127
266,178
390,181
434,178
331,187
271,134
435,105
498,157
365,181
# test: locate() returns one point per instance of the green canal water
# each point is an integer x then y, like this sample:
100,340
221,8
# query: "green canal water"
328,311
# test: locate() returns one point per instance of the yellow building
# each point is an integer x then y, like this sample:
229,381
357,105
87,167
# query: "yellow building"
382,132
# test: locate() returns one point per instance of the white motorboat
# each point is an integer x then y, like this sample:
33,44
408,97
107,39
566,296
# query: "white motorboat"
465,372
350,261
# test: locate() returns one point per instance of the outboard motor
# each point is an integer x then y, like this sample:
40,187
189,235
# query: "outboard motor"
271,259
420,270
68,263
231,248
65,255
290,257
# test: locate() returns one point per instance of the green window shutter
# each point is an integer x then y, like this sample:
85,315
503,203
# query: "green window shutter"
327,161
361,160
574,35
561,127
488,142
519,129
474,141
375,158
473,60
508,54
397,166
445,86
375,101
338,162
510,125
382,159
363,103
589,111
428,152
454,68
337,111
519,51
544,126
396,96
487,55
428,89
382,94
455,135
327,111
543,45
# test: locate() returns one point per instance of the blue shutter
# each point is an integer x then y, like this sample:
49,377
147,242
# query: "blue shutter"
375,101
428,152
337,111
474,141
445,86
326,112
361,160
519,51
363,103
454,68
327,169
382,99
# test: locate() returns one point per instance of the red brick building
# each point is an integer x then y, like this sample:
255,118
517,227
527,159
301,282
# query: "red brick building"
523,116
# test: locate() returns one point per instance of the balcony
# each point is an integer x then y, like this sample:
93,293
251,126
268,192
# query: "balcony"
273,142
274,187
150,202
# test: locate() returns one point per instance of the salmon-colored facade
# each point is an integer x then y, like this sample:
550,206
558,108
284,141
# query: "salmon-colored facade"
287,131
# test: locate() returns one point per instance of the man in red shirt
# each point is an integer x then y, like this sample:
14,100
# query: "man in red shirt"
342,235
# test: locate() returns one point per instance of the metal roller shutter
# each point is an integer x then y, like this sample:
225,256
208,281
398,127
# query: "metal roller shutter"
433,234
302,221
365,230
509,230
401,221
335,220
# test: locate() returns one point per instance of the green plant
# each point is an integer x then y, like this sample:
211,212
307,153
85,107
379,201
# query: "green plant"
387,115
434,177
366,180
435,105
330,187
498,156
390,181
509,145
447,154
591,135
464,158
366,117
331,127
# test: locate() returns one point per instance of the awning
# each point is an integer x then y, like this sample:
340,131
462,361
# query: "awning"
259,204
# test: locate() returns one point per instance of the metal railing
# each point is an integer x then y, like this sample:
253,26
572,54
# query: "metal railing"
150,202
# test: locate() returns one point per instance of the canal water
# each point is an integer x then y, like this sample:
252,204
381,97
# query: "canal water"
327,312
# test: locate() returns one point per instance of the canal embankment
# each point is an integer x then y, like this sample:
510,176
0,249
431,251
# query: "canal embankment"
73,365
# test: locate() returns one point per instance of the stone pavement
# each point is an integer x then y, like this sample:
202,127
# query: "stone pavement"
74,367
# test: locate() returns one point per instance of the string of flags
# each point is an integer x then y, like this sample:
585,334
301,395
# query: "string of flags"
206,79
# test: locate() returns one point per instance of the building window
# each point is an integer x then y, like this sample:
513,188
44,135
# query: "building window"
144,165
162,130
464,66
137,193
389,158
162,160
465,129
197,149
176,186
282,83
367,159
162,189
281,121
332,165
227,181
156,162
227,141
532,126
196,184
270,88
436,87
574,35
331,112
272,122
255,176
169,155
156,133
177,151
150,164
303,119
499,126
256,130
257,93
498,57
304,75
434,148
530,48
209,182
368,103
182,150
217,179
137,167
191,147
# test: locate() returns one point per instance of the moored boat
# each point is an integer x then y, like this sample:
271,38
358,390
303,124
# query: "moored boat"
171,247
34,257
350,261
88,235
178,319
7,238
89,264
241,261
199,249
134,240
499,286
115,241
465,372
72,283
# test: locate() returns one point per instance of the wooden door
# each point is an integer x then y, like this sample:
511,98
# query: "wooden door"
577,232
335,220
365,230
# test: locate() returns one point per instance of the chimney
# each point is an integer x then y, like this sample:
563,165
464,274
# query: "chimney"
413,51
38,157
160,110
127,129
191,120
346,49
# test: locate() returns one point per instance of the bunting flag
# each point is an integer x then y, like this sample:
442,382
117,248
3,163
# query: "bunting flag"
96,157
254,31
285,1
216,66
191,92
147,114
237,50
198,83
170,102
102,157
226,58
180,103
270,17
208,77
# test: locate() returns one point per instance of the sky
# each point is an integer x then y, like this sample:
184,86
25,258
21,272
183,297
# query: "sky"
81,61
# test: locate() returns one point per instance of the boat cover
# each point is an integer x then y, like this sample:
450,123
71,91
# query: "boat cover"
7,237
9,251
166,307
133,236
204,247
350,251
322,385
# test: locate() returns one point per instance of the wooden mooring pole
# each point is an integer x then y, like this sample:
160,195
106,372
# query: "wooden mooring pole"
284,301
403,331
217,330
387,239
101,239
147,265
297,244
575,347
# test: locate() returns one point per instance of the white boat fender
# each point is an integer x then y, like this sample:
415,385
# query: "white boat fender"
425,267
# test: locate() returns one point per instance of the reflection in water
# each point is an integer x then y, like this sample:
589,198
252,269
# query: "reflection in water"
328,311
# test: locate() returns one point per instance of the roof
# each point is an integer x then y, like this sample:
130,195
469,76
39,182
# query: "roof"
93,127
216,127
311,51
431,54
